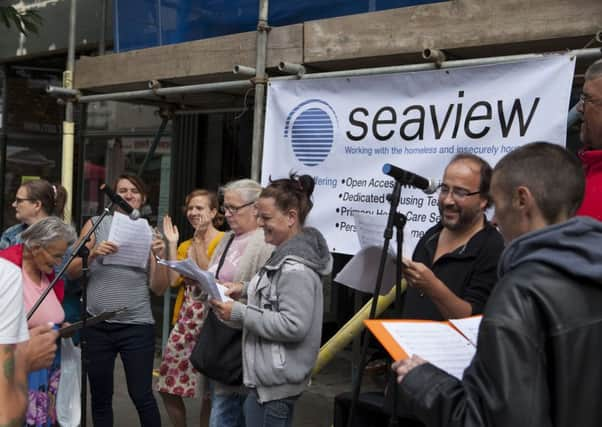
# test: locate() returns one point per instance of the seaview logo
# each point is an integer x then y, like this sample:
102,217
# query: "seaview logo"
311,129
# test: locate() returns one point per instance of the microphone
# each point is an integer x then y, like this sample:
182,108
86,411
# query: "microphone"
118,200
429,186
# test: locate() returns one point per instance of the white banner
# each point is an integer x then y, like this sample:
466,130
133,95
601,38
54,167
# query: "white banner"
342,130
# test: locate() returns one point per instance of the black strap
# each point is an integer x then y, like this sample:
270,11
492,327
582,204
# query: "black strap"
223,257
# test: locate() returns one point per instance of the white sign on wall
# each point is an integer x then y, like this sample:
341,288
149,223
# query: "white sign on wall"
342,130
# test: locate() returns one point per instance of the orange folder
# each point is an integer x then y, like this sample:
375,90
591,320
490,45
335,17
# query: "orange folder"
397,352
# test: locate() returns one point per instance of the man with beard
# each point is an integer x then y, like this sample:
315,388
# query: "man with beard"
454,264
590,106
453,270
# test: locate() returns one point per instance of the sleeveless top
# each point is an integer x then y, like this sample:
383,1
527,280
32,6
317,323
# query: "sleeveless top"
112,287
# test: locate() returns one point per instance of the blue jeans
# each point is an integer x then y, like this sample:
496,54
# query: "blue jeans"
226,409
136,346
276,413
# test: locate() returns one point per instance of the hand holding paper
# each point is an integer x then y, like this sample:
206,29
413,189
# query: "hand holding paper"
222,309
404,366
446,345
205,280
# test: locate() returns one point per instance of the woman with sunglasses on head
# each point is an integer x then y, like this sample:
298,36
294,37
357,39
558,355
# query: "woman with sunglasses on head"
177,376
282,318
44,245
35,200
130,333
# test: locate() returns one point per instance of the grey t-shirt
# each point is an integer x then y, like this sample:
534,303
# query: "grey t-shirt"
112,287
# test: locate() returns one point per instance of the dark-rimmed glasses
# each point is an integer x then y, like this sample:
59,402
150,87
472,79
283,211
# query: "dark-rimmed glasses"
456,193
234,209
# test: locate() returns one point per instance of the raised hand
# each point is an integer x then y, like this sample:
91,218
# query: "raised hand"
203,226
170,231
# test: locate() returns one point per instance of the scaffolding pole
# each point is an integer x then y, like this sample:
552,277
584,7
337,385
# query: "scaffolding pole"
260,85
75,95
68,124
591,53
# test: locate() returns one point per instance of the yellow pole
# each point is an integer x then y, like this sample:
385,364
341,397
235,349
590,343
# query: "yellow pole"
68,149
352,328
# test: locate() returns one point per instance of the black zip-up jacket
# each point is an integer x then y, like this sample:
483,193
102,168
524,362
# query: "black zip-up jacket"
538,357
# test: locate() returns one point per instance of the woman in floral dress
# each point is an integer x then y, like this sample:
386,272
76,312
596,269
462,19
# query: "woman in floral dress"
177,377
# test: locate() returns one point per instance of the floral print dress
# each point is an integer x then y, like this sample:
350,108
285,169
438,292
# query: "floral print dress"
42,388
176,374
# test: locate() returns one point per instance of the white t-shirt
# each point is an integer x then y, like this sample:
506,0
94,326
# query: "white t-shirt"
13,326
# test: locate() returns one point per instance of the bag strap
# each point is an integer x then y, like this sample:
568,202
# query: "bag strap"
223,257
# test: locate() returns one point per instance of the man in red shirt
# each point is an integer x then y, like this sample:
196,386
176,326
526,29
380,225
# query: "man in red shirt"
590,106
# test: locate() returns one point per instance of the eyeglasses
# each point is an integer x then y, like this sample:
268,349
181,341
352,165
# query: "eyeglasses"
585,98
234,209
457,193
20,200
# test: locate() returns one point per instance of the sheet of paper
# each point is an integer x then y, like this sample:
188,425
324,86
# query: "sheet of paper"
436,342
370,229
134,240
205,279
469,327
361,271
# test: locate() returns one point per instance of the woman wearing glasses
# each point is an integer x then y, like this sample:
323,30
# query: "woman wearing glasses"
243,251
282,317
42,250
35,200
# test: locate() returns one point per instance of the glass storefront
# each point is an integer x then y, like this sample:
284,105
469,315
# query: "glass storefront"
107,157
30,131
116,141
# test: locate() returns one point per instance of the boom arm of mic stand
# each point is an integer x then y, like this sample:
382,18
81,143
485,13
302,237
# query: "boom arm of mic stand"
75,253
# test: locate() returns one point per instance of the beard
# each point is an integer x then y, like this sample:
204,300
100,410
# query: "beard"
465,216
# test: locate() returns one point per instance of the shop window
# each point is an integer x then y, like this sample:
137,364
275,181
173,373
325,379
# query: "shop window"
109,157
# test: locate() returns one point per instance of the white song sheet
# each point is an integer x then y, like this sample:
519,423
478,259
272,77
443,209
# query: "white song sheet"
361,271
370,232
133,237
469,326
435,342
205,279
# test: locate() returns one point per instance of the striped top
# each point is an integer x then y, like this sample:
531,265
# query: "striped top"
112,287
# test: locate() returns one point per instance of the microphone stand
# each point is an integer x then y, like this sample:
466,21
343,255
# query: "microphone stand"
397,220
82,251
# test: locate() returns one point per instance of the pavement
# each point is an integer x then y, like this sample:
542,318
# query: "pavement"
314,408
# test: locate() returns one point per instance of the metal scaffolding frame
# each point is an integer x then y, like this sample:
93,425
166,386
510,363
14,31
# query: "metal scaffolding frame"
260,80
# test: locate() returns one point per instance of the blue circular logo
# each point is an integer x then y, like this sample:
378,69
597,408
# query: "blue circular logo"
311,130
312,136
